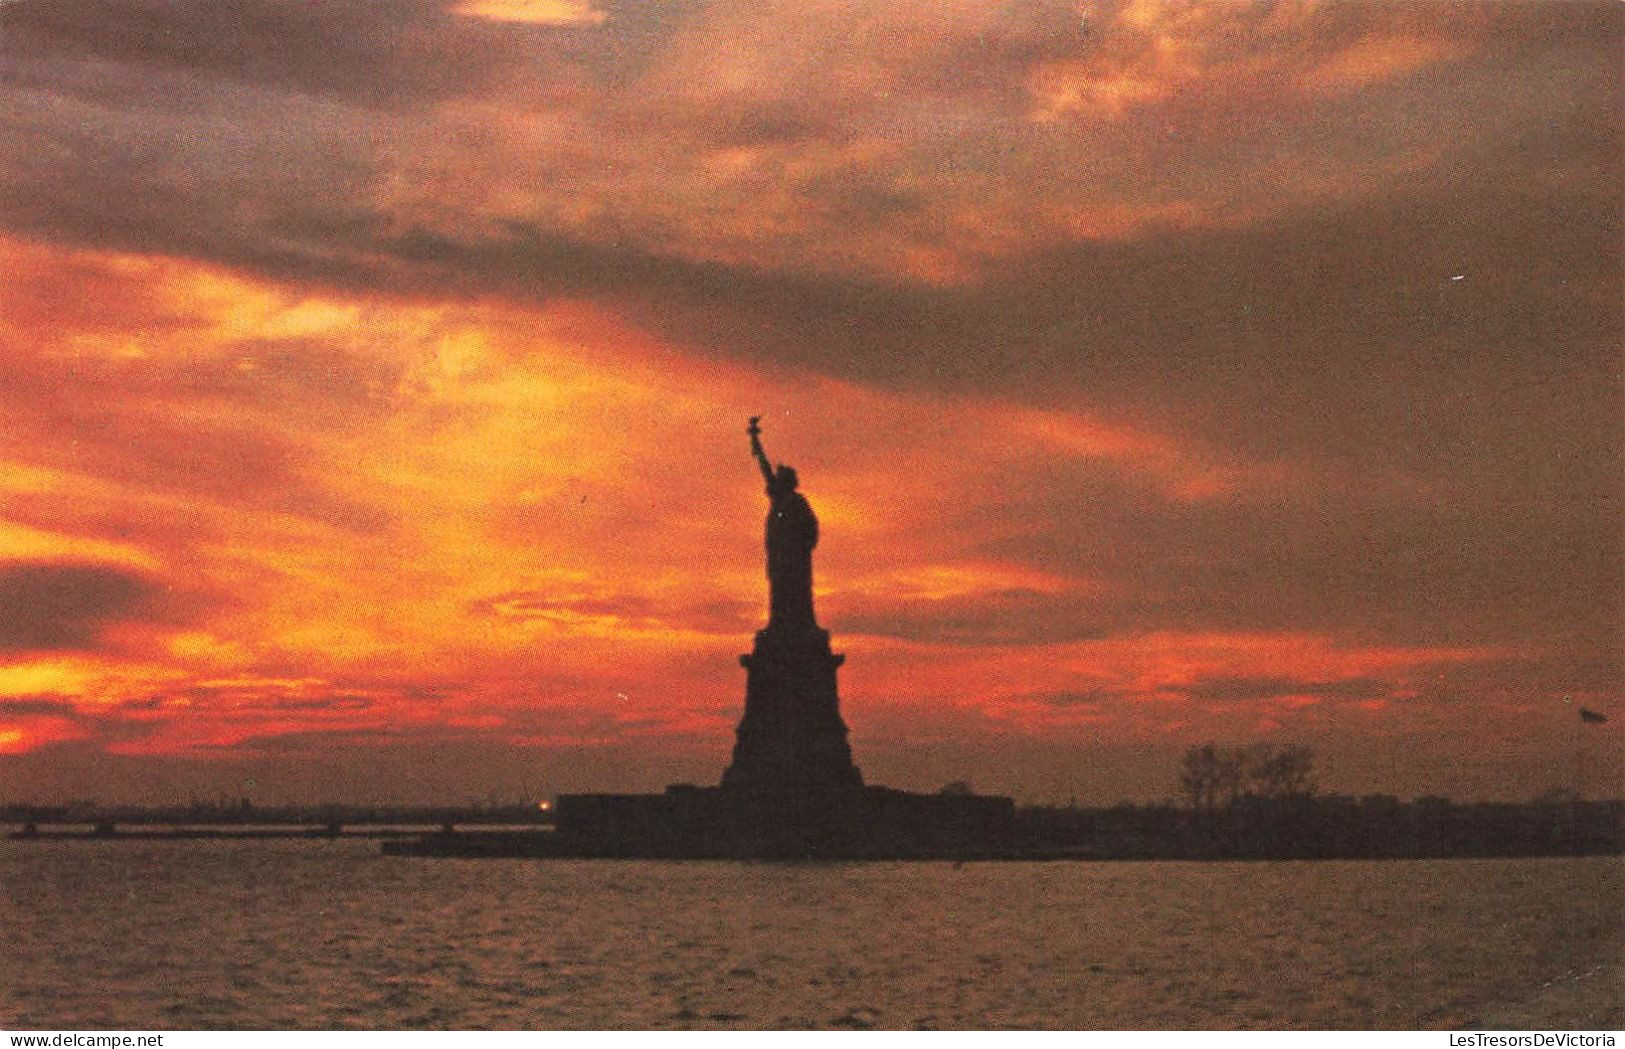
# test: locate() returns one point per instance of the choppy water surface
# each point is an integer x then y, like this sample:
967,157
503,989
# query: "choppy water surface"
333,934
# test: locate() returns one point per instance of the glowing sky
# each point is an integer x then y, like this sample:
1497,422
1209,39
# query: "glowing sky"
375,375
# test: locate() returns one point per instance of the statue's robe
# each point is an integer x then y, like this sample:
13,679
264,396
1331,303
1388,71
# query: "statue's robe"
792,532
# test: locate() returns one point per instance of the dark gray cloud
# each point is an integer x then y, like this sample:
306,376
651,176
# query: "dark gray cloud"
260,698
726,616
36,706
1089,698
46,606
1000,617
1387,560
384,54
1240,689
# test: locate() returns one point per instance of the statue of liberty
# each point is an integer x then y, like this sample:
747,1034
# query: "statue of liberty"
791,739
792,532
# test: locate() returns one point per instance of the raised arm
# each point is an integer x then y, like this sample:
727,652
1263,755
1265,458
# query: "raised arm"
755,432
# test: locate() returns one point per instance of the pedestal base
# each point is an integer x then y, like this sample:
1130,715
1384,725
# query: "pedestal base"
791,741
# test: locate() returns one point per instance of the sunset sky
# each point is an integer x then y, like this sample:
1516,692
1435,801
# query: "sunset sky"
375,376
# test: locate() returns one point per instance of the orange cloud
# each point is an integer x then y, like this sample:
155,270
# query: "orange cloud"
419,519
503,492
24,735
532,12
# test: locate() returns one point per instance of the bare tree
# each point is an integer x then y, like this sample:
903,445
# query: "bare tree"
1207,774
1283,772
1210,775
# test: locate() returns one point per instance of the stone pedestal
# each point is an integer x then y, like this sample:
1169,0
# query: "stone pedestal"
791,740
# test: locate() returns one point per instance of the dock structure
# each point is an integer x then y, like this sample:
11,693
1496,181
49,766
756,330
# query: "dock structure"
242,820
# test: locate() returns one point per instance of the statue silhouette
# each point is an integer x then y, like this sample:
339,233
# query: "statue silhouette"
792,532
791,741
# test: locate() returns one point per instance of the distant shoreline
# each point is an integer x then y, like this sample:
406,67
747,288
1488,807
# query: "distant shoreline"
1297,829
545,845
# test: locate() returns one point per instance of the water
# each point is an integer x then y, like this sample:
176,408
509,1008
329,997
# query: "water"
331,934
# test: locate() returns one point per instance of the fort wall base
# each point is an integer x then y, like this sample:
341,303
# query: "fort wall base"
728,822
